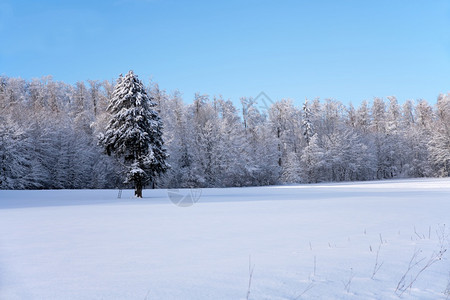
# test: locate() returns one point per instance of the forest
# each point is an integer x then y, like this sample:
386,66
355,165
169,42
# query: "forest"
49,133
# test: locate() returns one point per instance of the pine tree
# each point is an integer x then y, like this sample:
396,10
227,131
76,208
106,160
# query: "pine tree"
134,133
307,126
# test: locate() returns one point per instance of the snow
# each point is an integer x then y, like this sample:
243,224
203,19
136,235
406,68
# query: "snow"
312,241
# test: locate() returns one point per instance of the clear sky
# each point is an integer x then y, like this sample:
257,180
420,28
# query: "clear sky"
346,50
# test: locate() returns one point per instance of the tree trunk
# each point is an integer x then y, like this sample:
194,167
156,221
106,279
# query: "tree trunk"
138,189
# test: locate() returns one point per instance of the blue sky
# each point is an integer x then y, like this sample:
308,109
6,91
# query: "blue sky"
346,50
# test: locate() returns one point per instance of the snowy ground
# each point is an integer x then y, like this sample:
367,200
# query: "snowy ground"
304,242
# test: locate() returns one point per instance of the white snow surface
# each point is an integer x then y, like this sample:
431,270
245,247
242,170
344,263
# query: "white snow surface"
303,242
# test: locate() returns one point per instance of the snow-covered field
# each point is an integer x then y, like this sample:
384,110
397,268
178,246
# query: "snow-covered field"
302,242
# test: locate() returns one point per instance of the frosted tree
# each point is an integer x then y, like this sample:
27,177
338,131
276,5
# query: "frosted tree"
351,116
179,142
15,160
407,117
307,126
418,138
312,161
261,146
378,130
393,141
424,116
134,133
203,156
94,93
363,117
439,144
285,121
292,170
232,144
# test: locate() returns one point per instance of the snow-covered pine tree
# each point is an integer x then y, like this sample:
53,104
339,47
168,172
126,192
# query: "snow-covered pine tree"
134,132
307,126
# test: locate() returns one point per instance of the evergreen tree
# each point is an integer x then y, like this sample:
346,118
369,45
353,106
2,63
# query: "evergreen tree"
307,126
134,133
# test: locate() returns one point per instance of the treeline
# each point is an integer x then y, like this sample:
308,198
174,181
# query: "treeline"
49,130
